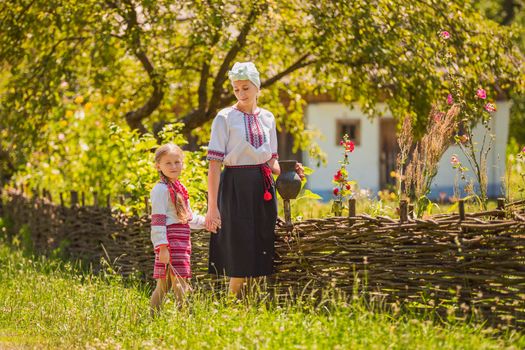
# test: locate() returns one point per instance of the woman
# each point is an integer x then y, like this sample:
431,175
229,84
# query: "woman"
242,205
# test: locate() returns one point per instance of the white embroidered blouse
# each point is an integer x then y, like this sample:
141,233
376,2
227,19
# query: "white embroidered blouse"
163,214
239,138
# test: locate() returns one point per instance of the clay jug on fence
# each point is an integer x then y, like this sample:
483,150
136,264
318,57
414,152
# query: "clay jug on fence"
288,182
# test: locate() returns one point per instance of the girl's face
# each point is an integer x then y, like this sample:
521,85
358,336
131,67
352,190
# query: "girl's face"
171,165
245,92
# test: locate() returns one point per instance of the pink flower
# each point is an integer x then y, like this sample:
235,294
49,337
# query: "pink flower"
490,107
454,160
341,142
450,99
481,94
336,191
523,150
444,34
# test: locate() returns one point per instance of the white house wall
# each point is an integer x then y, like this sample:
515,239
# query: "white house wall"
364,161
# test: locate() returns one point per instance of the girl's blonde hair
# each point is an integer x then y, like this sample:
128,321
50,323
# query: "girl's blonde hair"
181,209
167,148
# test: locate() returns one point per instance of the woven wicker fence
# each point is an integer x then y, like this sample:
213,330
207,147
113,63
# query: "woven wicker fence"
474,263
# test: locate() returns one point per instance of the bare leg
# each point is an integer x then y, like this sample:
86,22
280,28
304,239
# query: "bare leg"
158,295
237,285
180,287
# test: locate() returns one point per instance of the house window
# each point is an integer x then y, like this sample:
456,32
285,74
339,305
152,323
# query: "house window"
350,127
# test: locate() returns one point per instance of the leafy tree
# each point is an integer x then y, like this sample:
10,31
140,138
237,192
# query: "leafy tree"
166,61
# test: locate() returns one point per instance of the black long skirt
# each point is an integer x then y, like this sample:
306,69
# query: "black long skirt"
244,245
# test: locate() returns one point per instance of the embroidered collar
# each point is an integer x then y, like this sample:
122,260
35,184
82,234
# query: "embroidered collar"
257,111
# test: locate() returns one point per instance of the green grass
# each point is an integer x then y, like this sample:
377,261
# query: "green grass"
49,304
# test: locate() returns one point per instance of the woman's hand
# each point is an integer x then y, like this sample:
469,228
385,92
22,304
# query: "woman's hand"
213,220
164,255
299,170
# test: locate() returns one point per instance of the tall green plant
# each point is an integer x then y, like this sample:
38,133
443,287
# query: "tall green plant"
89,153
474,108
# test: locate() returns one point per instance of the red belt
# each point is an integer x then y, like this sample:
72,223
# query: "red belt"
266,173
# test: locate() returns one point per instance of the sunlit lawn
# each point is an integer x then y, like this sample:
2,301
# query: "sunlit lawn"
49,304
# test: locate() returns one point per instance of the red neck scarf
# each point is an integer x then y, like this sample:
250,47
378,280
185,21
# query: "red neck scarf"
175,187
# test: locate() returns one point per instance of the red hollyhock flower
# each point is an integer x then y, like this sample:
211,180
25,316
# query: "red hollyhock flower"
336,191
349,147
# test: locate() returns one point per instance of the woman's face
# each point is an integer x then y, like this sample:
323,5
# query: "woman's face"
245,92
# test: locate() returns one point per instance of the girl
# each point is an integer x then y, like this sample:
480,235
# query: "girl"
241,201
171,220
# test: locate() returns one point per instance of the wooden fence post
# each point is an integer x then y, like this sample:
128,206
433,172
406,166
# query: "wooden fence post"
74,198
501,203
61,199
403,210
95,199
146,204
35,192
461,207
351,211
83,196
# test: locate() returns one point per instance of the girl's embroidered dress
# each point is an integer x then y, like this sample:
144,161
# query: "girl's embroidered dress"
167,229
244,245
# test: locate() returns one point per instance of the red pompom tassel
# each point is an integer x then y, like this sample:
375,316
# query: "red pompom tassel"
267,196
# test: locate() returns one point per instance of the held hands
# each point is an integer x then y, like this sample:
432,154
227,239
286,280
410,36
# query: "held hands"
213,220
164,255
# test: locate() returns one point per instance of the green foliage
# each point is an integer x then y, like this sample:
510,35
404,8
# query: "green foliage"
88,153
165,61
515,171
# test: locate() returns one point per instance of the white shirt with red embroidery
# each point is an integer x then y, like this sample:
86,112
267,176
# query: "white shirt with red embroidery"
163,214
239,138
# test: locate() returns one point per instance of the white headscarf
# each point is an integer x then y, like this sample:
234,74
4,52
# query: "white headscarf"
245,71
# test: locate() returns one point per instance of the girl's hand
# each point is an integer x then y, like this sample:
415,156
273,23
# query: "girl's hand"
299,170
213,220
164,255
